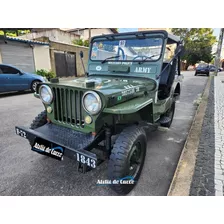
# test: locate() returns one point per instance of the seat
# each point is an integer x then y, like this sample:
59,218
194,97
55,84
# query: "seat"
165,74
164,81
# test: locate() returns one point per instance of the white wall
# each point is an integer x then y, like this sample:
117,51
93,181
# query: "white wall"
95,32
42,57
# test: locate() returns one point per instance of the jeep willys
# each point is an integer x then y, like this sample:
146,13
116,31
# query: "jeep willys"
132,83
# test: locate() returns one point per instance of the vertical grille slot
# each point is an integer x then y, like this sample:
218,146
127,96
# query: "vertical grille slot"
68,106
62,106
55,104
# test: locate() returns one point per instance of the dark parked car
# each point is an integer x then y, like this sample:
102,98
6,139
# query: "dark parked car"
13,79
206,69
214,68
202,69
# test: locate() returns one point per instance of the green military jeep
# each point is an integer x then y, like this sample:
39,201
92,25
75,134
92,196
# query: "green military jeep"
133,81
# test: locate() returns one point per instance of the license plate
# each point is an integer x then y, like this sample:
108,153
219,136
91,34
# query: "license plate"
86,160
47,148
21,133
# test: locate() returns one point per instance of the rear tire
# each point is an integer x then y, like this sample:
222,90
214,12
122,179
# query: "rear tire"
195,74
127,158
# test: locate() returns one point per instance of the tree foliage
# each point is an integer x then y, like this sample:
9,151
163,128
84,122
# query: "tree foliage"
198,44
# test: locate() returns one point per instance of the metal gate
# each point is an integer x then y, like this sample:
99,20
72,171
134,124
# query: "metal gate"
18,54
65,64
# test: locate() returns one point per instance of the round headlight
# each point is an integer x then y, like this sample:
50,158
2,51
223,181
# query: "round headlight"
91,102
46,94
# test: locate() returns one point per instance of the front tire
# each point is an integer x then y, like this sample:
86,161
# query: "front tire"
127,158
40,120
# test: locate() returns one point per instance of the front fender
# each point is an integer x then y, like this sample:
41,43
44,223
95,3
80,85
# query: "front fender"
130,106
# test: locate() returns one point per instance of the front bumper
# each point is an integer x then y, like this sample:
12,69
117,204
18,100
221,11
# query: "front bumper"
73,144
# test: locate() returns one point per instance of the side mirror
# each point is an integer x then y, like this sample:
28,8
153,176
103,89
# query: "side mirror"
180,50
81,54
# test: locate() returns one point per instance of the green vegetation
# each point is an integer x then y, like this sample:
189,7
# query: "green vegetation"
47,74
81,42
198,44
13,33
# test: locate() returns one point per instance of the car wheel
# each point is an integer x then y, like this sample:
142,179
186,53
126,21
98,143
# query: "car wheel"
34,85
127,159
39,120
208,74
170,115
195,74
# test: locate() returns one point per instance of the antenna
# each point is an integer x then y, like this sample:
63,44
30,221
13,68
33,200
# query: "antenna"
81,56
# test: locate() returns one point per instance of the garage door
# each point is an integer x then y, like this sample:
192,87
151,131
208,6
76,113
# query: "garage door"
18,54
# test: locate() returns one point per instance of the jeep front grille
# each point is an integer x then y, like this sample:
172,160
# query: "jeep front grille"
68,106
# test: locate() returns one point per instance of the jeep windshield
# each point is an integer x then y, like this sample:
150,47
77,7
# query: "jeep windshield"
127,49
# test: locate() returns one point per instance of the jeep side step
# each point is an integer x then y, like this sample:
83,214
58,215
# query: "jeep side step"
164,120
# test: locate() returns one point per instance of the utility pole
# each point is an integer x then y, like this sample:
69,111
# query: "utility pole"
219,49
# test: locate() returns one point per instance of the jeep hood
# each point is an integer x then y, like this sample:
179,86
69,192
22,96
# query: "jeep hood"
108,85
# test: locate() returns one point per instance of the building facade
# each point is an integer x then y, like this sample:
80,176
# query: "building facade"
26,55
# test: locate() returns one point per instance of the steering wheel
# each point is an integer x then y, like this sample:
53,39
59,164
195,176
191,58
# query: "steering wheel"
140,57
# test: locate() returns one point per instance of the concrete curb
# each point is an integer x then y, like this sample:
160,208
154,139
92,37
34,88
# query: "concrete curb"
181,183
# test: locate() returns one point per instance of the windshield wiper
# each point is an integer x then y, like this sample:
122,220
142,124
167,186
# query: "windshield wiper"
146,57
117,56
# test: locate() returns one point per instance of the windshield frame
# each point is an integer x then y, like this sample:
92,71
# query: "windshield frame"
125,37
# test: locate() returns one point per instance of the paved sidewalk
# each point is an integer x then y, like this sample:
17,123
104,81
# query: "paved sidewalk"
219,134
208,178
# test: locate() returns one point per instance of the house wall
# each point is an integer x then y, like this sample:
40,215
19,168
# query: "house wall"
84,34
167,29
70,48
55,35
42,57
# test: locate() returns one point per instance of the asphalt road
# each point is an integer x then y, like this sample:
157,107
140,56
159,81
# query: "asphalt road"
23,172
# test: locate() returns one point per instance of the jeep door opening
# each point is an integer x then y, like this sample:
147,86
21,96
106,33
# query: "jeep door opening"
132,82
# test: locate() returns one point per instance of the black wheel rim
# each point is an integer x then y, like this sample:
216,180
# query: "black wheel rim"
34,86
136,159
